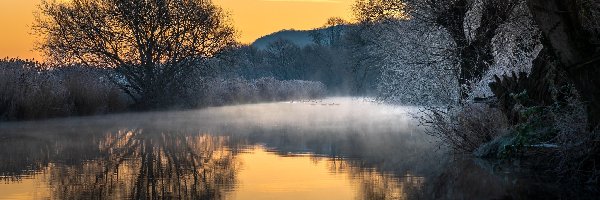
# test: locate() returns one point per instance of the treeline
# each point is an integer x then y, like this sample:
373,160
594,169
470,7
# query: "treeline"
395,60
331,62
31,90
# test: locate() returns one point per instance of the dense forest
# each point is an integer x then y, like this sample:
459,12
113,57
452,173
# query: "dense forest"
502,79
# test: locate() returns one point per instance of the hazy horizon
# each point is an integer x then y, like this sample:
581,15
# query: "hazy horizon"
251,18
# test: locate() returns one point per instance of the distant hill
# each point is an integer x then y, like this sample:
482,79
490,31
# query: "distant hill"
299,37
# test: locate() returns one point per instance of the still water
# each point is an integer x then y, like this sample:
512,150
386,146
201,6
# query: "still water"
338,148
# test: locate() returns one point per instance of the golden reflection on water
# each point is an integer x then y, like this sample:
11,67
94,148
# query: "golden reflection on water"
141,165
29,188
265,175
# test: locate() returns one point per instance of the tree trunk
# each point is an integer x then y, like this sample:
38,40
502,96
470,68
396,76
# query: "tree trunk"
560,23
474,54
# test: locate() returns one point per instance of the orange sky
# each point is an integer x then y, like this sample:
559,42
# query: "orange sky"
252,18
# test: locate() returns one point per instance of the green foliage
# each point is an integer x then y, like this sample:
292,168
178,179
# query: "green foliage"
535,127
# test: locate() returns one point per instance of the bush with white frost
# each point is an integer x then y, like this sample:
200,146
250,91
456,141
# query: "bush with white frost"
464,129
413,62
220,91
30,90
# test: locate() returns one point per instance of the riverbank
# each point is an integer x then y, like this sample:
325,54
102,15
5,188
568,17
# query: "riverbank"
30,91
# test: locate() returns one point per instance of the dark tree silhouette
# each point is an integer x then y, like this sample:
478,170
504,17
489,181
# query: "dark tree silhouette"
152,45
374,11
572,36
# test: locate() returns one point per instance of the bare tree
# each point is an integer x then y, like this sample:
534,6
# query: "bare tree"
373,11
283,55
370,14
151,45
335,29
330,33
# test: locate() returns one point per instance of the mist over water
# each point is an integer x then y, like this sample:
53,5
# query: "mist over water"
336,148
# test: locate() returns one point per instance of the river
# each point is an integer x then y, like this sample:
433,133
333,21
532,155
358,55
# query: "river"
336,148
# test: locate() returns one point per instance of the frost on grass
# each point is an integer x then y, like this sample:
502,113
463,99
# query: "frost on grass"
30,90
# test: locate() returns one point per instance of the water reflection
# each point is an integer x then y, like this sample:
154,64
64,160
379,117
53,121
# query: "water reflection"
258,151
126,164
141,164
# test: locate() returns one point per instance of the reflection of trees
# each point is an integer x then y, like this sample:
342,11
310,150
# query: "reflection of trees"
17,155
462,179
134,164
467,178
144,165
24,154
381,165
402,166
373,184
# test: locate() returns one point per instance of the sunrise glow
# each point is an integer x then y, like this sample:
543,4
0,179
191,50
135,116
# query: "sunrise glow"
251,18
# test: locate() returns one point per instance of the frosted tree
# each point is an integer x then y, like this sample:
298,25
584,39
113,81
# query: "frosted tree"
283,55
414,66
475,39
331,33
515,46
412,59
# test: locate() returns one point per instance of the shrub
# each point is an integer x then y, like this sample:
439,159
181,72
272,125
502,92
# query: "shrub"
90,92
30,90
465,128
578,150
220,91
553,137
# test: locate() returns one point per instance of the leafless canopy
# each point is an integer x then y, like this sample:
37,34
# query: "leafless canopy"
372,11
152,45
